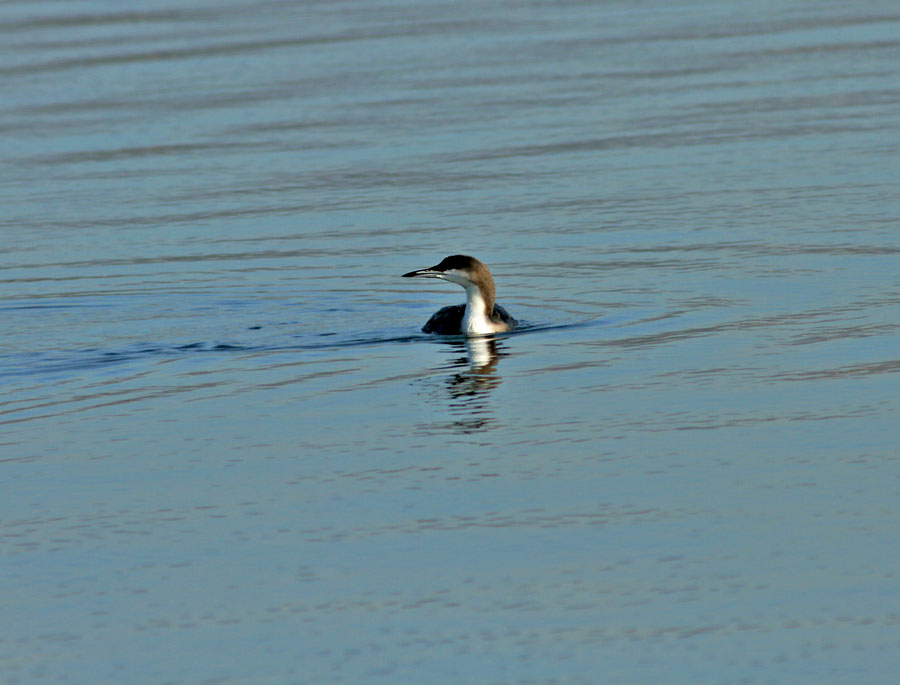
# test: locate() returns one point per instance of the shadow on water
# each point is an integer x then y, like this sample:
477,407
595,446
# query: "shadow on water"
466,391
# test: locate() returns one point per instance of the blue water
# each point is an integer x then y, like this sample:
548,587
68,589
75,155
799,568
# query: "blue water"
229,454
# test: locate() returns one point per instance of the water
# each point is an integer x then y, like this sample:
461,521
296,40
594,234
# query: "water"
228,453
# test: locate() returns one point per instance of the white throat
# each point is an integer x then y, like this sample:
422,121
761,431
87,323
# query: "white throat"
476,320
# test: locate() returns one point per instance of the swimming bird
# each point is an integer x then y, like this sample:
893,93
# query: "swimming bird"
480,315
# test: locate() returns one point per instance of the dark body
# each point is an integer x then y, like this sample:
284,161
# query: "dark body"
448,320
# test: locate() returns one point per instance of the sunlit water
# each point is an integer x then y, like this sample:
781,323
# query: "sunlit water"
228,453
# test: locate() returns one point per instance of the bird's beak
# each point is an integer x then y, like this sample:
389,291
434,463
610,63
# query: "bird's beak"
430,272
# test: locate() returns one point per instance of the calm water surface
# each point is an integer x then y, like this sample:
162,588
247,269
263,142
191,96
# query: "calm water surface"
230,456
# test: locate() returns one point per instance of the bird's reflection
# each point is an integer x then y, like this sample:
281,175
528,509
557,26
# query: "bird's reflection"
467,390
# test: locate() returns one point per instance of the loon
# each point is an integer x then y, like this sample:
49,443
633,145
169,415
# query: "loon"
479,315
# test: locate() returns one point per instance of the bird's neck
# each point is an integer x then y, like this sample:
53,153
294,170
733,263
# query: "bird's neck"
477,319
